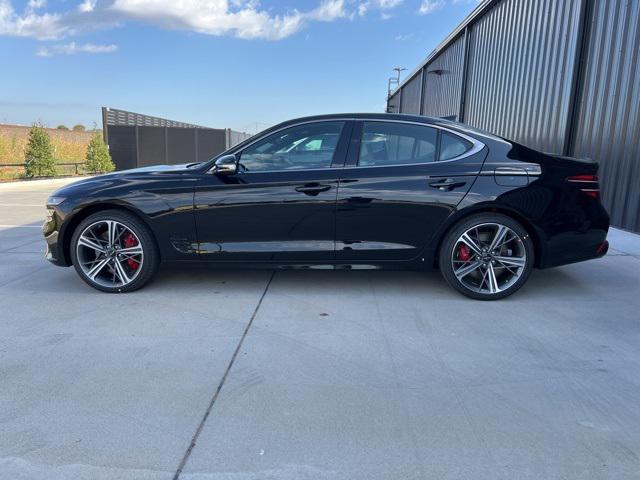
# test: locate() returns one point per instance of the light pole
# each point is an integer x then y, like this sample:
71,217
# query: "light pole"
394,82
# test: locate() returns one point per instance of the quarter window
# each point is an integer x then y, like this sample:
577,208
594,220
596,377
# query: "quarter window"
309,146
452,146
396,144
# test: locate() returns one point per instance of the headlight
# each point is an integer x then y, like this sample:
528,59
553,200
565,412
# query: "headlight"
55,200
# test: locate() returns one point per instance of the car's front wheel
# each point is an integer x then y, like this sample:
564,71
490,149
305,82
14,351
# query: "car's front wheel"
487,256
114,251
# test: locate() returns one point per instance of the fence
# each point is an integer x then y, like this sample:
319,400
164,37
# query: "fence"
78,167
137,140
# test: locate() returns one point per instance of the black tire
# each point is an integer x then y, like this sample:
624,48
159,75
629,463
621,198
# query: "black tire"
513,279
151,256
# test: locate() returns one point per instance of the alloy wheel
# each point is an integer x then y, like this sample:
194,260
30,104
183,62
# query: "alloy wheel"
110,253
488,258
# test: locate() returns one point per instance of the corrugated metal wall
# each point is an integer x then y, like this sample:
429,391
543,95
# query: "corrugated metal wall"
526,67
608,123
410,101
393,104
443,82
522,55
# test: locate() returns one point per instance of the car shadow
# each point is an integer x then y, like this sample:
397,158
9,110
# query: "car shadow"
22,248
542,283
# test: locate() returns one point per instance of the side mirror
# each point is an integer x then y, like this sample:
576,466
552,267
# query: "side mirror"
226,165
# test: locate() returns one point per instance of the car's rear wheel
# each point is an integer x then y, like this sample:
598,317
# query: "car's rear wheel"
487,256
114,251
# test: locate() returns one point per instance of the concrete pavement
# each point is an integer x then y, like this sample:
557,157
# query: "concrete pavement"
327,375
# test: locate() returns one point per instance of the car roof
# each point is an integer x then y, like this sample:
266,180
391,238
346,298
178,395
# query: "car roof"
464,128
364,116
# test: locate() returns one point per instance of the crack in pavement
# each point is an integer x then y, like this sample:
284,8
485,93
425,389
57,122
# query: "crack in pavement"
22,277
10,250
194,439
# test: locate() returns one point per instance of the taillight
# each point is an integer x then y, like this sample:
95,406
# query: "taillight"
603,248
588,184
583,178
591,192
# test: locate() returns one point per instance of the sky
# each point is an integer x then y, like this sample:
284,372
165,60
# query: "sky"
241,64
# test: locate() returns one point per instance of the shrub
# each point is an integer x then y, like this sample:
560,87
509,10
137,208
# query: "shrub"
98,159
38,156
79,128
62,127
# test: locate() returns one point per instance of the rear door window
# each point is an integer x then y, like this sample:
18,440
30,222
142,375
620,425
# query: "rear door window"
395,143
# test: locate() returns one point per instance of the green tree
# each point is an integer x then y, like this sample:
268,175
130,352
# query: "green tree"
38,156
79,128
62,127
98,159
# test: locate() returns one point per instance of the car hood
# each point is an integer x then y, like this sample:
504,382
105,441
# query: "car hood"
100,180
149,169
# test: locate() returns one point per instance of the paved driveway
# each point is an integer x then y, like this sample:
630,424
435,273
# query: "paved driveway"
211,374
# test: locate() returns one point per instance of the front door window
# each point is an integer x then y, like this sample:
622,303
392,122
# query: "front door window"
303,147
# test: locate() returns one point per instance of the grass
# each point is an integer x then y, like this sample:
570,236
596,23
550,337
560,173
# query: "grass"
11,149
68,147
17,173
11,173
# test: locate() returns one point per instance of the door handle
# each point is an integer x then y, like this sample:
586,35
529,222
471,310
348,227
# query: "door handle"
313,189
447,185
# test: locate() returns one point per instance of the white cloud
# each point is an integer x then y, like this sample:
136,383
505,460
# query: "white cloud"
213,17
33,5
328,11
383,5
245,19
74,48
44,26
404,37
87,6
430,6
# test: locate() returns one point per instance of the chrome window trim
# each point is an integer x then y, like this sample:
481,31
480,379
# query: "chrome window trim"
477,145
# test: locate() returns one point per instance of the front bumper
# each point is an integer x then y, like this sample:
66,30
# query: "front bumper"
50,230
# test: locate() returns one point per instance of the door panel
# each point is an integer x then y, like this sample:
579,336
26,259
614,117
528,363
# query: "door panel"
273,216
268,217
389,213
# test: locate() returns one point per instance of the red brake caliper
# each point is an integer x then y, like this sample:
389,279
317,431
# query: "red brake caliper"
464,253
130,241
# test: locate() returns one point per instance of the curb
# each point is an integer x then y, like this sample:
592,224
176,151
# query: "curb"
42,182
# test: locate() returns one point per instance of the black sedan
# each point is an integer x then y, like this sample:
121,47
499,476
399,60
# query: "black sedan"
350,191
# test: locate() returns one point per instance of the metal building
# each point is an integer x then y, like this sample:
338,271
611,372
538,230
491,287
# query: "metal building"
137,140
561,76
